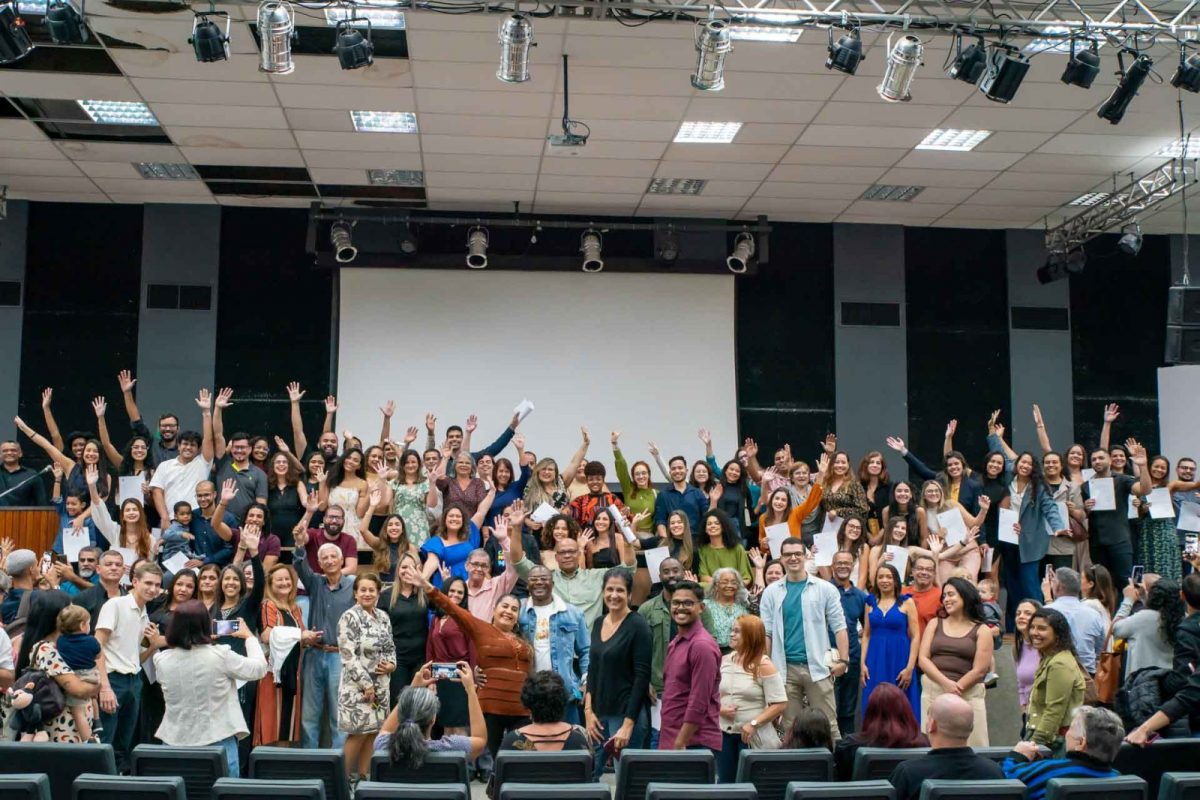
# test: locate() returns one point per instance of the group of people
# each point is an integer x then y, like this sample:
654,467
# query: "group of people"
207,588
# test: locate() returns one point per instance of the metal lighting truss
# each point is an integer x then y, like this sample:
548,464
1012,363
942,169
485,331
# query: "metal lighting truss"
1123,206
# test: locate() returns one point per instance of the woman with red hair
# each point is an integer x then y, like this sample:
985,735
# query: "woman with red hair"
888,722
752,696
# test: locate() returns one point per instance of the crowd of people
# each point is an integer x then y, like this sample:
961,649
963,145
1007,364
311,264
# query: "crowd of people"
234,589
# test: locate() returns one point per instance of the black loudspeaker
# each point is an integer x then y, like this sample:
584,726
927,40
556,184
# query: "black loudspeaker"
1183,325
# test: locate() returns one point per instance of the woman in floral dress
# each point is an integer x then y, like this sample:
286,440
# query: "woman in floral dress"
368,658
410,497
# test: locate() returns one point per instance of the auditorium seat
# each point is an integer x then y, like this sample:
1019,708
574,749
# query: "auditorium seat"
25,786
373,790
997,754
1122,787
1179,786
686,791
200,767
250,789
61,762
287,763
846,790
563,766
120,787
998,789
771,770
637,768
544,791
1151,762
877,763
438,768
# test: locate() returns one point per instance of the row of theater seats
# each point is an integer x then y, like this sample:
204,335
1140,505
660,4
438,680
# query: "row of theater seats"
771,775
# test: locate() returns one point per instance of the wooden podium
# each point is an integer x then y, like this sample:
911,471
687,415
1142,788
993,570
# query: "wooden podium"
31,527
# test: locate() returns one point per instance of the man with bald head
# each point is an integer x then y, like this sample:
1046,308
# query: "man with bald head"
951,720
575,584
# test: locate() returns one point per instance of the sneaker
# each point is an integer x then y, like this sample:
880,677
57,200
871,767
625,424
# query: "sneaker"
990,680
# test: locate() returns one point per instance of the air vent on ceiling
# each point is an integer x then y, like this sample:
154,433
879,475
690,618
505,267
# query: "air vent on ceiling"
883,191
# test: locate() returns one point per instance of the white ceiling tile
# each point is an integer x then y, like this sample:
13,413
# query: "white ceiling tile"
942,194
991,223
720,213
862,156
975,160
500,195
117,151
64,86
697,202
800,173
1096,144
246,157
320,119
733,153
345,97
1017,197
949,178
612,130
481,76
589,107
995,117
768,133
614,202
437,162
472,125
21,129
895,115
714,109
161,64
1046,181
625,81
729,188
1012,142
341,177
480,145
614,167
589,51
59,197
595,183
796,208
185,136
153,188
782,86
264,117
422,24
1047,96
384,73
353,159
36,183
481,180
1074,163
108,169
497,103
812,191
861,136
59,167
713,170
214,92
367,142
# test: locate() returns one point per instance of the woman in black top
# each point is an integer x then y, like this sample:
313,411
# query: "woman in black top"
286,498
405,606
733,497
235,601
618,672
545,695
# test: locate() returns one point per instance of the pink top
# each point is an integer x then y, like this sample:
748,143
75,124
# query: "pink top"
1027,666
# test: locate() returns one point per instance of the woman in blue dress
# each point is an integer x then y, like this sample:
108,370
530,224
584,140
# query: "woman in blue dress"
890,639
457,536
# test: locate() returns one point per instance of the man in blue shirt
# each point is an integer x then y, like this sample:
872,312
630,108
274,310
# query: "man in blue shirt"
73,582
854,606
1092,744
679,496
209,545
1087,626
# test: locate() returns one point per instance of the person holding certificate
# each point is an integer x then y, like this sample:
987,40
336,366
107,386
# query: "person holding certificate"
1106,498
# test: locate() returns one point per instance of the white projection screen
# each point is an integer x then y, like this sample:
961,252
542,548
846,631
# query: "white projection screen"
1178,388
650,355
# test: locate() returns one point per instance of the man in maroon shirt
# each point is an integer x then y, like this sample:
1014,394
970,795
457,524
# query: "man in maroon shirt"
330,532
691,702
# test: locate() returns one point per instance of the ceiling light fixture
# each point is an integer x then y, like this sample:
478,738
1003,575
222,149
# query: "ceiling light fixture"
207,40
382,13
1176,149
14,38
883,191
1187,74
846,53
384,121
707,132
1005,69
1131,239
396,177
1060,266
516,37
666,244
1117,104
477,245
902,63
164,171
64,23
968,62
712,46
276,32
118,112
590,244
958,141
764,33
1082,67
743,251
343,244
1089,199
676,185
354,51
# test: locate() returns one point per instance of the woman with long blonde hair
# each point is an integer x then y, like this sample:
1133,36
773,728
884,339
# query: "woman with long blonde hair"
277,707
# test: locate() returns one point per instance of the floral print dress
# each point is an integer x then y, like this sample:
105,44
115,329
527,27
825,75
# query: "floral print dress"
365,642
61,728
409,501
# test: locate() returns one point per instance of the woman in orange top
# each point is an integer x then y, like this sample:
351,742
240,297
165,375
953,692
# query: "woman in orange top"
780,499
504,656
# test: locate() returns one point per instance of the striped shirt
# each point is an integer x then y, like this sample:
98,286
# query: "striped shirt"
1036,775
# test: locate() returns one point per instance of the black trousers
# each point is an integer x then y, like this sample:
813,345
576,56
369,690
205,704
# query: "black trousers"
846,690
497,726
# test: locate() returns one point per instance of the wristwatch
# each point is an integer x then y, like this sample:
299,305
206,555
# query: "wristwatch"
754,723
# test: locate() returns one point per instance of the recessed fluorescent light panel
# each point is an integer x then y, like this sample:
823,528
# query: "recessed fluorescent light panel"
396,177
953,140
707,132
1175,149
1089,199
384,121
883,191
384,14
764,33
118,112
676,186
161,171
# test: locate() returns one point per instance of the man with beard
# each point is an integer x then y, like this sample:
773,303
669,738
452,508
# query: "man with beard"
166,445
854,607
327,442
691,678
73,583
111,570
456,439
561,641
657,612
176,478
208,544
330,532
23,486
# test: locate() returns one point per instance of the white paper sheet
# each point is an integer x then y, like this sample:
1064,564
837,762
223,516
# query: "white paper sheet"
1189,517
626,531
1009,518
1063,514
824,546
654,558
523,409
987,559
543,512
155,534
954,528
129,555
1132,512
1102,491
130,488
73,542
1160,504
176,563
775,536
831,525
899,558
1088,473
148,668
656,716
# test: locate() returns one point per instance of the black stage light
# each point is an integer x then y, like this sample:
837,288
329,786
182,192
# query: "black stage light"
1083,67
14,38
1117,104
207,40
1187,76
1006,68
846,53
65,24
969,62
352,48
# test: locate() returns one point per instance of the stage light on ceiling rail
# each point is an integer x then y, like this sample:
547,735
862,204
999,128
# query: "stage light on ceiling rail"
1131,239
1117,104
340,237
353,49
516,37
743,251
64,23
846,53
1002,76
666,244
968,62
477,245
14,38
902,63
207,40
1060,266
276,31
1082,66
1187,74
713,44
407,240
590,244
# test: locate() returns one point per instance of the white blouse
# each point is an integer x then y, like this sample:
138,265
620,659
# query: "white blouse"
200,689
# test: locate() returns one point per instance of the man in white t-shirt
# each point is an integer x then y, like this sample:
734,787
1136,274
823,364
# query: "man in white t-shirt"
175,479
561,639
121,629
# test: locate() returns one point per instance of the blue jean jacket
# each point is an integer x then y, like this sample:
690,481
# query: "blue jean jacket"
570,642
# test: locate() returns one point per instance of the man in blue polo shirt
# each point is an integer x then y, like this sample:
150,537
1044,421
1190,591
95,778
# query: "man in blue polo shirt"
854,606
679,496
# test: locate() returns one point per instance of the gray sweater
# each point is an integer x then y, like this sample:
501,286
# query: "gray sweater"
1146,646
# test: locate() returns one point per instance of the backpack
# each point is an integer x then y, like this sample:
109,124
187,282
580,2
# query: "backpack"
36,699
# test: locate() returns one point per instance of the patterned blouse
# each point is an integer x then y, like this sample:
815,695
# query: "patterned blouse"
850,499
409,502
365,642
721,618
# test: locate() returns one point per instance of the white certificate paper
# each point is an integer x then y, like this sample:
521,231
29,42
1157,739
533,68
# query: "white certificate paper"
523,410
543,512
831,525
1189,517
775,536
1160,504
825,545
130,489
1009,518
73,542
1104,493
654,558
899,558
953,526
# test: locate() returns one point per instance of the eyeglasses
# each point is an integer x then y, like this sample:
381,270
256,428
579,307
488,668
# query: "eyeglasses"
683,603
787,556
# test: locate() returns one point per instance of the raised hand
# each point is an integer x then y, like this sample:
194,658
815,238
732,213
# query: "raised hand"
516,514
300,536
223,396
999,430
518,441
472,423
751,448
897,444
756,557
319,476
653,448
992,421
688,575
313,503
376,495
410,435
295,393
714,494
830,443
57,471
951,427
100,407
204,400
250,538
281,445
705,436
330,404
985,502
586,539
229,490
388,409
936,543
1037,416
47,396
823,463
613,437
430,422
126,381
584,431
91,475
1111,412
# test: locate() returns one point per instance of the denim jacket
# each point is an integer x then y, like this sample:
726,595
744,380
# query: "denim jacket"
570,641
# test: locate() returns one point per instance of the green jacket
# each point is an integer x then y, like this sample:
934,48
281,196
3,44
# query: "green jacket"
658,616
1058,689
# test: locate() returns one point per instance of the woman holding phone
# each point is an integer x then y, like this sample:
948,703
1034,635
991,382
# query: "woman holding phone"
406,735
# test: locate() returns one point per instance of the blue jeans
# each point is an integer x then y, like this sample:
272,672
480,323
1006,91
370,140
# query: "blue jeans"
230,746
121,725
609,726
727,760
322,673
1021,580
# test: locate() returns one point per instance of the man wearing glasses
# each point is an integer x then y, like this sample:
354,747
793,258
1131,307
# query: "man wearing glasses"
798,613
691,702
926,594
